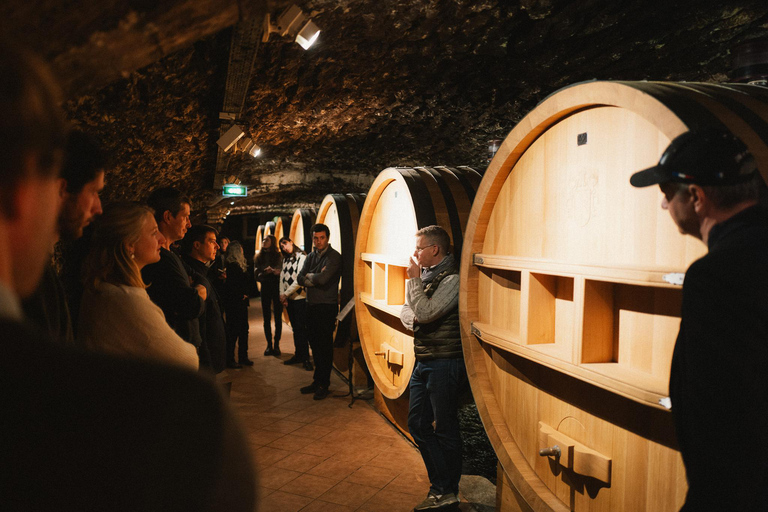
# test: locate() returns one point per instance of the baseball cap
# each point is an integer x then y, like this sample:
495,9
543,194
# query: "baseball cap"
710,157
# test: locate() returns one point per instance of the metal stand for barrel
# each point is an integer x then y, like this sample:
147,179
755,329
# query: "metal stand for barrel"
345,311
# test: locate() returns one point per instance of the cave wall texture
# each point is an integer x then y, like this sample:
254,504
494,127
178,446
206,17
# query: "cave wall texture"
389,83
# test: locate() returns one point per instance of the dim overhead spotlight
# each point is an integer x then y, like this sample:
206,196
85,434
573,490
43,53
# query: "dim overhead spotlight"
292,23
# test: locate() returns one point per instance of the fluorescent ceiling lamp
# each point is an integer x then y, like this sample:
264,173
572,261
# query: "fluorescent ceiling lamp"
230,138
308,35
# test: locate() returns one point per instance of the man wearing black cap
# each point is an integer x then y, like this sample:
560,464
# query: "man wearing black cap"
718,383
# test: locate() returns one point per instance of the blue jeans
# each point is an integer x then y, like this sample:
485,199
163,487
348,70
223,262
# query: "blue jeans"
435,387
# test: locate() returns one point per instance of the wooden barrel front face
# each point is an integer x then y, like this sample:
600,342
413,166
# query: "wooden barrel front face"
400,202
302,221
259,237
571,293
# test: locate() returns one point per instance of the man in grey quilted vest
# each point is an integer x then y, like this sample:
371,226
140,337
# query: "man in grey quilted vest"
431,311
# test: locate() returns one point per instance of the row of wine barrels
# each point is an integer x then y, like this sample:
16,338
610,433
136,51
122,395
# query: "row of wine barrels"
400,202
341,213
571,292
301,223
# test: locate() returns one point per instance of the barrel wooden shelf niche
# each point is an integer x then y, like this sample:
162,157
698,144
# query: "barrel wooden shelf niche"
400,202
341,213
301,222
571,292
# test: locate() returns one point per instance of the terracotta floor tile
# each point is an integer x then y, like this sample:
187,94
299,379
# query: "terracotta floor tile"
274,477
390,501
284,426
313,431
310,486
290,442
373,476
321,448
266,456
300,462
347,493
326,506
263,437
410,483
335,469
280,501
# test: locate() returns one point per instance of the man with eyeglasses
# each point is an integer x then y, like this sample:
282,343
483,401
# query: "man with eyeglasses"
431,311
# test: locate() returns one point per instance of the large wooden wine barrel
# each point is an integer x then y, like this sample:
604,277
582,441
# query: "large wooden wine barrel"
341,213
400,202
302,221
571,292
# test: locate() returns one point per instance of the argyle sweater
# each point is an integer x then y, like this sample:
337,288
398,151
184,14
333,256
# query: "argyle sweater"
288,284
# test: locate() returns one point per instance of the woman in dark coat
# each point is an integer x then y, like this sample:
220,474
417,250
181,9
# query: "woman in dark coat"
268,264
235,300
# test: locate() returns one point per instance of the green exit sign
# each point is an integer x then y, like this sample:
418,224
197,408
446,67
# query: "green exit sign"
235,191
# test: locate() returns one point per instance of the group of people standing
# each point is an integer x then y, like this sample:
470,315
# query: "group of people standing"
102,414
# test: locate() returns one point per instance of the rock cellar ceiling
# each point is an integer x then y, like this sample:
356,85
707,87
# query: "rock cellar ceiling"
389,82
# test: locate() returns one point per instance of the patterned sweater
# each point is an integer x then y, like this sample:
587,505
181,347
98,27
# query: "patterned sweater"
289,286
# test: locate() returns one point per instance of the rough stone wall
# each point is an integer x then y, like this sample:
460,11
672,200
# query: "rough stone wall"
396,83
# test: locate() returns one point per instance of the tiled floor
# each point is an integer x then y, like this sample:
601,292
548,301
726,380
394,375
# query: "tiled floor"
320,455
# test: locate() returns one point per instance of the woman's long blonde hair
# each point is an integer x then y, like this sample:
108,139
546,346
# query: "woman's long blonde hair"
235,254
109,260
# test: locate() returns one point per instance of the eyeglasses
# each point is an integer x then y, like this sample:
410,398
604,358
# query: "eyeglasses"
419,249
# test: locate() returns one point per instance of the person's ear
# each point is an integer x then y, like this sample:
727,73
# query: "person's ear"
167,217
63,194
698,198
196,245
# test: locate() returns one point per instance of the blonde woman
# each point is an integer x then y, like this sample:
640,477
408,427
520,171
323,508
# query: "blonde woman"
116,314
236,302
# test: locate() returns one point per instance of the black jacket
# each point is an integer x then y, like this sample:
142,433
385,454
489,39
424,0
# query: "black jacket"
170,288
212,329
718,383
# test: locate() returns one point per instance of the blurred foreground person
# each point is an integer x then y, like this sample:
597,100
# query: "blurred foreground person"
116,314
85,431
717,382
81,182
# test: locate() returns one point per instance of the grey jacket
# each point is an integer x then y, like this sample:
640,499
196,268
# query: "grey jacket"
320,275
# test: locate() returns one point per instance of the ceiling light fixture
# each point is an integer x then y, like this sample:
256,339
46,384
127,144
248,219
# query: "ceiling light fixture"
235,138
292,23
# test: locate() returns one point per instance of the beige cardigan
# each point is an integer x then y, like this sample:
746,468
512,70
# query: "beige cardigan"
122,320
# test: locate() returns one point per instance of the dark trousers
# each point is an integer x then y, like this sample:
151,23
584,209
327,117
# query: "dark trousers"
297,312
270,296
321,321
237,330
434,397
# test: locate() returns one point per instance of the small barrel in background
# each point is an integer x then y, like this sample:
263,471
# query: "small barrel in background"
282,226
341,213
400,202
302,221
570,293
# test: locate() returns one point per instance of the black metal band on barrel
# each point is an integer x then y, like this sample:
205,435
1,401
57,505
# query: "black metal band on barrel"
307,220
755,121
422,202
461,175
693,114
450,204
